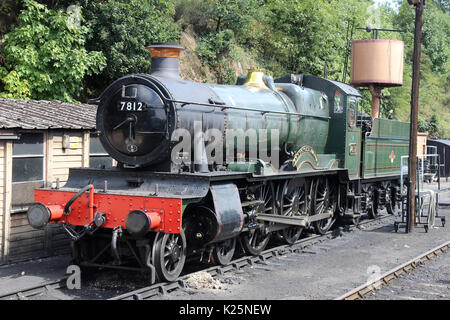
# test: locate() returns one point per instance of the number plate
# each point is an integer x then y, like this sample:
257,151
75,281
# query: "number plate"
352,149
130,106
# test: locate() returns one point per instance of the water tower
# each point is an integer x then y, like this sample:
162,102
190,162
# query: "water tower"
377,64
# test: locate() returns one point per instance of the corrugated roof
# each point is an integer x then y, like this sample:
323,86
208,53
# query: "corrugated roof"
446,142
43,114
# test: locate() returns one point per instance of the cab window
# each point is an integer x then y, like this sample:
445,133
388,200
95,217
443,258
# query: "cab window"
352,110
338,102
324,101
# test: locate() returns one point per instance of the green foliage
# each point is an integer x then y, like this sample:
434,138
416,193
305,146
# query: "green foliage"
214,49
431,126
307,35
218,15
215,45
191,13
122,29
235,15
443,4
435,32
422,124
280,36
434,95
222,25
45,56
15,87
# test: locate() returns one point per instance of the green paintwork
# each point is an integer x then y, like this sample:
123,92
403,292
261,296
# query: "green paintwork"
256,167
326,133
239,121
305,119
353,152
384,147
306,159
340,135
310,131
352,139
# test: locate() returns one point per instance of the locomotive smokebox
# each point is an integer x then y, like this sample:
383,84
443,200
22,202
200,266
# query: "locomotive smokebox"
165,60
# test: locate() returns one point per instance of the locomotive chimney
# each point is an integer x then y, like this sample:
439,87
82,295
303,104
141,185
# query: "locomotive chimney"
165,60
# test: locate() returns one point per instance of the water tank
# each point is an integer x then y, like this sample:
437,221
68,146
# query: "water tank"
377,62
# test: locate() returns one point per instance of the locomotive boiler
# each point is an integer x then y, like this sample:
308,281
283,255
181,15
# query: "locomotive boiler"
206,169
139,114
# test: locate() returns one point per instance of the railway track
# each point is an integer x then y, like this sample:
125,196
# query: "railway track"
50,288
384,279
238,264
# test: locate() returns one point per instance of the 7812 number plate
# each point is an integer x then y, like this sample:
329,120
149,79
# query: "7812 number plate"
131,106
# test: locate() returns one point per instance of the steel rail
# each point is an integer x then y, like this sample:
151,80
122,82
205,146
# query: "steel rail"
24,293
236,265
384,279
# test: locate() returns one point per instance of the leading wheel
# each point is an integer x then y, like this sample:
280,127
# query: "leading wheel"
322,201
224,251
255,240
169,255
293,202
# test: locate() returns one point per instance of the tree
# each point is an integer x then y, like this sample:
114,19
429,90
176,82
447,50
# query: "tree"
434,95
45,56
436,32
443,4
9,10
309,34
122,29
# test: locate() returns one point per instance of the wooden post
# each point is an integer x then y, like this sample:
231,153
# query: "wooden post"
49,158
7,198
86,147
412,166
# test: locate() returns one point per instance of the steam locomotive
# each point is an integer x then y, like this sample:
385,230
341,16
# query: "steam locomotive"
204,169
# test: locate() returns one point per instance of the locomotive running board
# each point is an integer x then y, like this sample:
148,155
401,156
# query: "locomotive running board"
139,183
300,221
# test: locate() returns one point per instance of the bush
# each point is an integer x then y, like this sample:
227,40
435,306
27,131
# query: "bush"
215,45
122,29
45,56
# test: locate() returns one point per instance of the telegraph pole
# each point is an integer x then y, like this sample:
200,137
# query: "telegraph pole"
412,165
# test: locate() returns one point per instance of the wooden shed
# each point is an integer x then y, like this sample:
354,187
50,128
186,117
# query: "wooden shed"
39,142
443,149
422,143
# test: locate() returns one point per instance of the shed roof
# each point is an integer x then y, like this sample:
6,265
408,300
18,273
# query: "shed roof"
446,142
43,114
